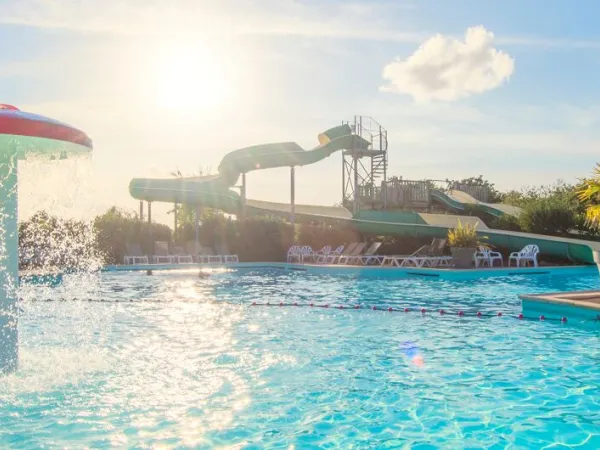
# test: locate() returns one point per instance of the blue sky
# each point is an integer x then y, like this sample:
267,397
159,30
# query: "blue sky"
165,85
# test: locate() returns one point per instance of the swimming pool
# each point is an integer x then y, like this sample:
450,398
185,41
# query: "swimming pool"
128,360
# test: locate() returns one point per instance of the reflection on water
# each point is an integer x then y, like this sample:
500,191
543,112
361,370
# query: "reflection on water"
172,360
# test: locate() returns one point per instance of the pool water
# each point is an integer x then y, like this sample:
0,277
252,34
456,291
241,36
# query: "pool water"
174,361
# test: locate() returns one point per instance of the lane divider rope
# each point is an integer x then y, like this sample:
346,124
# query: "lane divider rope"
389,309
423,311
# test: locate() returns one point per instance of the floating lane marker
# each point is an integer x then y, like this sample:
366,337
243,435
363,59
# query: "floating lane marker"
423,311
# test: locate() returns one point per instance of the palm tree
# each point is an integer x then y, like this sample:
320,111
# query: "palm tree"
589,193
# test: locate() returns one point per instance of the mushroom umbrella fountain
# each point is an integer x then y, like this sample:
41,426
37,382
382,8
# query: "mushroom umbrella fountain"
21,135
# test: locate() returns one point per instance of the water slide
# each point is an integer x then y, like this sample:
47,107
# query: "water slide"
214,192
459,201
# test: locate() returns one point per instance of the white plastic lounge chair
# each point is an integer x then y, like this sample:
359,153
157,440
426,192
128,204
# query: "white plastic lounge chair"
369,256
181,257
226,256
527,255
192,248
319,256
429,255
135,255
161,253
330,256
306,254
334,257
485,256
294,254
357,251
206,255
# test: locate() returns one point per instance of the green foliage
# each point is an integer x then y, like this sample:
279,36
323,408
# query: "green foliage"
505,222
46,241
318,235
589,197
464,236
560,191
263,239
553,209
116,228
548,215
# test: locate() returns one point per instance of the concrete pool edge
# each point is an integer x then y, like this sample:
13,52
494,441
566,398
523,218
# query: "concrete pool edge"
434,273
568,304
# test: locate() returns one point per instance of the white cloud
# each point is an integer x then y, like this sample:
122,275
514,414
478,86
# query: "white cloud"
444,68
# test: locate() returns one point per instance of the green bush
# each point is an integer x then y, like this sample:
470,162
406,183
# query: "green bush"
506,222
549,215
319,235
116,228
262,239
51,242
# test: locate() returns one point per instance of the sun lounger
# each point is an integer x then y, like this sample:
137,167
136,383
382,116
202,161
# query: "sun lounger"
320,255
429,255
369,256
161,253
334,258
206,255
226,257
181,257
330,256
135,255
357,251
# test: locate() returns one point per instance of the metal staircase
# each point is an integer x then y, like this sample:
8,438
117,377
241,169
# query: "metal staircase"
364,181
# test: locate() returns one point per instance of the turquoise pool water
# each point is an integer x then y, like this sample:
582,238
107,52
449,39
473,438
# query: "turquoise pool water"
173,361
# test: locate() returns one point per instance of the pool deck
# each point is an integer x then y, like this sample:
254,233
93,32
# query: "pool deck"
425,272
582,305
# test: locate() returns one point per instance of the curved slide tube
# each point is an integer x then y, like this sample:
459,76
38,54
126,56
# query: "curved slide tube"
457,200
213,192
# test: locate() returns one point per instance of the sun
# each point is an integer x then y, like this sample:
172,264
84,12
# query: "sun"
191,79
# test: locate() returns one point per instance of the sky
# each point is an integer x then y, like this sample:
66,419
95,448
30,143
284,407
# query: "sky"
505,89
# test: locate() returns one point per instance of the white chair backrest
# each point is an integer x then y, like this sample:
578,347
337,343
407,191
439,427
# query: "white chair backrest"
530,250
484,250
326,250
306,250
339,250
294,250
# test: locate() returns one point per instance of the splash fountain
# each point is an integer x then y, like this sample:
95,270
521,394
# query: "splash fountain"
21,135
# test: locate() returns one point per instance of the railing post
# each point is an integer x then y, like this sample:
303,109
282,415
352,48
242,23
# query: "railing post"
356,193
292,195
175,223
150,230
243,195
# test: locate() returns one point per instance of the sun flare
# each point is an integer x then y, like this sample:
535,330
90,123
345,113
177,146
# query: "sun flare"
190,80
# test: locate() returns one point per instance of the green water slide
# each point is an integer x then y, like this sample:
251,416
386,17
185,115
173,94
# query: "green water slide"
214,192
459,201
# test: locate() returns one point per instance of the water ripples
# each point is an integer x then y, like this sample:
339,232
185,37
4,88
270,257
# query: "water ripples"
187,363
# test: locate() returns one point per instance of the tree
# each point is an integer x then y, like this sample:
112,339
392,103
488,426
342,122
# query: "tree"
552,209
548,215
51,242
117,227
589,196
